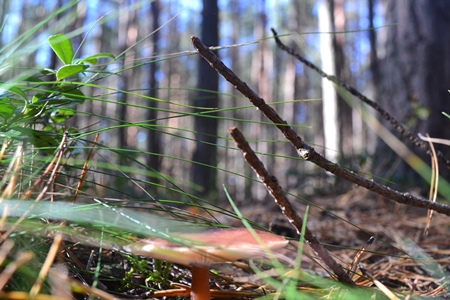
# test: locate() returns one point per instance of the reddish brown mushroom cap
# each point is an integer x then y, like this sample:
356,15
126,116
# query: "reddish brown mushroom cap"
210,246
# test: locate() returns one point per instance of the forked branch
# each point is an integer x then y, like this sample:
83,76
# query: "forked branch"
402,130
272,186
304,150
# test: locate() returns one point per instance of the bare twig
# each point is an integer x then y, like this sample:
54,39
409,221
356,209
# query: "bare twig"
358,256
85,168
9,270
379,285
271,184
46,267
304,150
53,165
434,184
403,131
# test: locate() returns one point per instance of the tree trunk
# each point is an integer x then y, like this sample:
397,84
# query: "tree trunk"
204,172
261,69
153,139
127,38
415,70
348,143
238,187
329,97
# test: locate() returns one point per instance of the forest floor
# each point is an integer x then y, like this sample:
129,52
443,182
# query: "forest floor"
401,256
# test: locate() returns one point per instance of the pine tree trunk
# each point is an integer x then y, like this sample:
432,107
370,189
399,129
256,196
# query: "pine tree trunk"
415,70
205,154
153,139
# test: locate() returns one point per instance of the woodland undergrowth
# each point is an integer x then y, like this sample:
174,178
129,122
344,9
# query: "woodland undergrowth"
60,239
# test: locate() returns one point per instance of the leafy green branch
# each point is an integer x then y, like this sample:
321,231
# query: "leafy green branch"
31,101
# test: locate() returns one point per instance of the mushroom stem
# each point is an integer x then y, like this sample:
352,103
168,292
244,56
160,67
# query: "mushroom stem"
200,283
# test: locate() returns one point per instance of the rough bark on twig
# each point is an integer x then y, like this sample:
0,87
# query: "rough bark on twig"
272,186
403,131
304,150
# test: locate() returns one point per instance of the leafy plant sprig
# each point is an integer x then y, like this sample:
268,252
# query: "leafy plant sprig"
31,101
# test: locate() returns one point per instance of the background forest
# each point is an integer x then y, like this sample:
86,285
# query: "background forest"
392,51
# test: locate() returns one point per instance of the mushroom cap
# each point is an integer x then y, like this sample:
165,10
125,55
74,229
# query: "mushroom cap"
208,247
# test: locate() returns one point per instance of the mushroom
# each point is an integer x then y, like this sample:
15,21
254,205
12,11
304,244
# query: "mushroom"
202,249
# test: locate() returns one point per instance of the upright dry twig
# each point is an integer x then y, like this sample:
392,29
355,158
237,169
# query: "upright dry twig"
304,150
434,183
12,267
271,184
85,168
52,167
358,256
46,266
403,131
379,285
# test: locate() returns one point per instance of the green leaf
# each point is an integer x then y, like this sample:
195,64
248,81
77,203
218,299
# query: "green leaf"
52,101
62,47
72,92
70,70
47,71
60,95
17,103
6,109
14,89
40,139
36,98
18,91
93,58
32,79
62,114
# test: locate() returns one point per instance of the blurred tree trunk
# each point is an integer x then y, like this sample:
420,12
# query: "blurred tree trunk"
105,39
289,85
374,67
236,186
345,111
204,174
153,139
415,69
371,138
262,67
286,89
329,97
127,37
